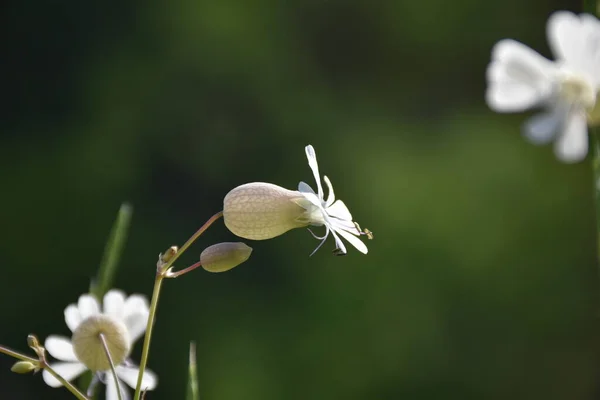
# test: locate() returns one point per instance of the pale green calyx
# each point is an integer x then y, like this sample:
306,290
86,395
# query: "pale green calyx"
88,346
260,210
222,257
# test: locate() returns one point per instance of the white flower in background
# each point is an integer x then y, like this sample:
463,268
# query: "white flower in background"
122,321
259,211
520,79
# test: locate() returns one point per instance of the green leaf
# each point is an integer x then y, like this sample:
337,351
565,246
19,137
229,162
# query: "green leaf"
112,252
192,387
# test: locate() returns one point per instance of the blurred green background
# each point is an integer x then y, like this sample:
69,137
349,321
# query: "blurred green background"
481,282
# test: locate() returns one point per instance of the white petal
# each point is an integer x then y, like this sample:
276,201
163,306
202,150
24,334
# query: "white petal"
114,304
572,145
348,226
135,304
304,187
111,388
543,127
72,317
60,348
576,41
339,210
136,325
331,195
338,242
518,77
67,370
354,241
88,306
130,376
323,239
314,166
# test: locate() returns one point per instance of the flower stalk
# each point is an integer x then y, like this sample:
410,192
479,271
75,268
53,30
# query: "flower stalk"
65,383
112,366
41,362
591,7
17,355
161,274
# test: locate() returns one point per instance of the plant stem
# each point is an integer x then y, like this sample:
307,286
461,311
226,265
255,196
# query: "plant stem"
112,365
192,239
18,355
160,275
66,383
183,271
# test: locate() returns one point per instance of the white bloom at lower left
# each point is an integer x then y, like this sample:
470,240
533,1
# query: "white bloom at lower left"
122,321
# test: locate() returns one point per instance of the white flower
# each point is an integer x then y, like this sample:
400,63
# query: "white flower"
520,79
260,210
122,320
331,212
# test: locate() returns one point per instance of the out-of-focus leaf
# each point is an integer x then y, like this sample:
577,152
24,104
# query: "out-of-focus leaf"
192,387
112,252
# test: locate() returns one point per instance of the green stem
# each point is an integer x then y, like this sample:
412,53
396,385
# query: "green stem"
184,271
595,142
160,275
191,240
148,336
18,355
112,365
591,7
65,383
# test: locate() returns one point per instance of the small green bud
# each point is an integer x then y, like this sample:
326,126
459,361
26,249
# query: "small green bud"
33,342
222,257
23,367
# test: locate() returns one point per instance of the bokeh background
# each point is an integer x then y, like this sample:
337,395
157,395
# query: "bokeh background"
481,282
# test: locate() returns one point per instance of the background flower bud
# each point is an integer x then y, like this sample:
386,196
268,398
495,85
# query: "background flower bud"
89,348
23,367
222,257
261,210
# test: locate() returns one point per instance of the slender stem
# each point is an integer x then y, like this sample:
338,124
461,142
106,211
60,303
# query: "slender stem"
192,239
595,141
148,336
112,365
183,271
156,294
66,383
18,355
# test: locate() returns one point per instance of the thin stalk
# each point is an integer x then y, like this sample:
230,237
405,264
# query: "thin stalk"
192,239
65,383
184,271
595,141
18,355
156,294
112,365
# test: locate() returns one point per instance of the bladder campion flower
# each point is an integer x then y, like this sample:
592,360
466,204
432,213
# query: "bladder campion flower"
122,322
520,79
260,210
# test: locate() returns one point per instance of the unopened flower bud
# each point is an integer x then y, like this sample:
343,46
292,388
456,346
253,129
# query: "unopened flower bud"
224,256
259,210
88,345
23,367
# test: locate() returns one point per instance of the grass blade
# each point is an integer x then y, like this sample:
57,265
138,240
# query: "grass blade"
112,252
192,387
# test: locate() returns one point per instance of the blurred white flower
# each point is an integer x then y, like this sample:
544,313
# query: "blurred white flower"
260,210
520,79
122,320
